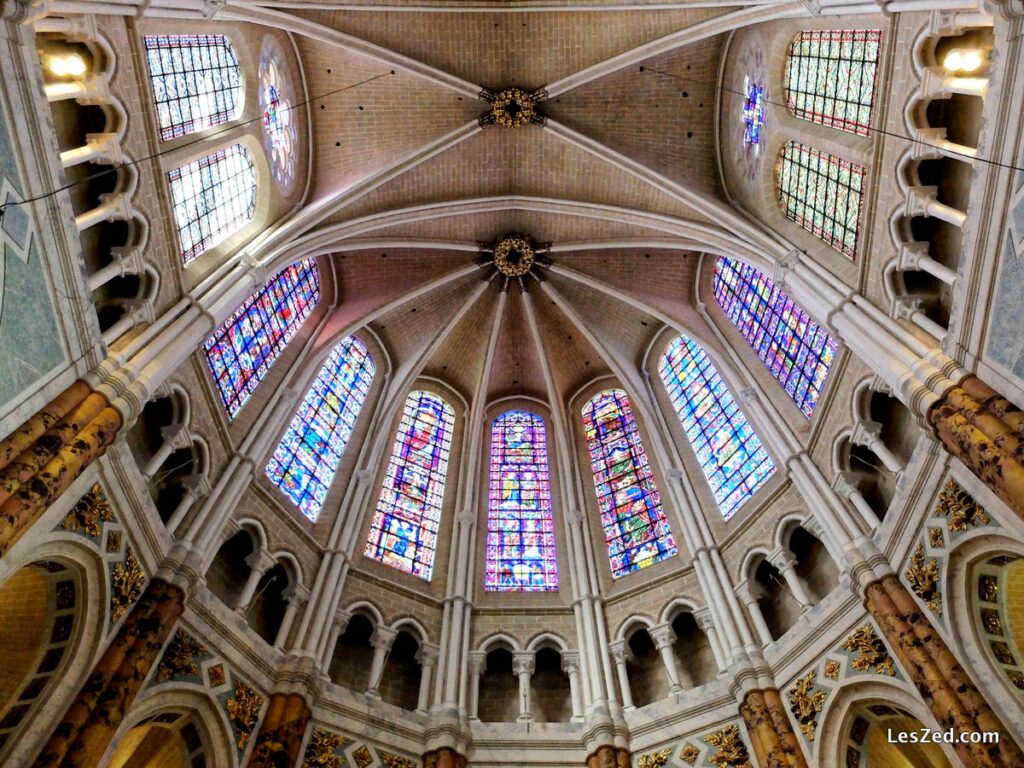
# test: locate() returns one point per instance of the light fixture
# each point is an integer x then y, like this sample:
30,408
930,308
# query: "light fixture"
71,65
962,60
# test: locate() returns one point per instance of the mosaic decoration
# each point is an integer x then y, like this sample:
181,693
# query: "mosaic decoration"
403,533
959,508
822,193
729,451
89,514
196,80
521,554
870,654
730,751
281,135
242,349
304,462
212,198
795,348
126,584
754,107
830,77
923,576
632,517
806,702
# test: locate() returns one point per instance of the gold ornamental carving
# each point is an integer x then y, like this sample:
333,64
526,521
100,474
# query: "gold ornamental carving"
89,513
243,712
832,668
513,107
655,759
959,508
806,704
730,750
126,585
396,761
322,751
871,653
182,657
689,754
923,576
362,756
514,255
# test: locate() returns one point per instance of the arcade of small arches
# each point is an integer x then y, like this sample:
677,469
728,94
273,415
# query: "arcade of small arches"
363,448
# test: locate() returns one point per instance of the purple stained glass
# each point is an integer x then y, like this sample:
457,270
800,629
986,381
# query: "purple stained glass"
635,528
728,450
520,531
304,462
795,348
242,350
753,114
403,532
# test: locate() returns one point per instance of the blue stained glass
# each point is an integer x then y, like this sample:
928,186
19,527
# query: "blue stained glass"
796,350
635,528
403,532
520,531
242,349
304,462
730,453
753,112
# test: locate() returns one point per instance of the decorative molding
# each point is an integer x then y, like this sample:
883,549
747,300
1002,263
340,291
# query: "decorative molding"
689,754
513,107
806,703
325,750
959,508
923,576
655,759
126,584
243,710
730,752
872,655
89,514
182,657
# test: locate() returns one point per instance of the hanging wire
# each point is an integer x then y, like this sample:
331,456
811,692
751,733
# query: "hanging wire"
227,129
882,131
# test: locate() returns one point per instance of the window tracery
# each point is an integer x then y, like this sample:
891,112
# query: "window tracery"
635,528
794,347
403,532
197,82
280,130
730,453
242,349
822,193
212,197
304,462
521,555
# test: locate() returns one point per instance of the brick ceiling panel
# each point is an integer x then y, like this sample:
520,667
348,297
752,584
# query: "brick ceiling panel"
516,369
573,360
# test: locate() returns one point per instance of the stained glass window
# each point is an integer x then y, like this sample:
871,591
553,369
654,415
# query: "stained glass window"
196,82
212,197
792,346
242,349
304,463
830,77
728,450
821,193
280,131
403,533
753,113
632,517
520,530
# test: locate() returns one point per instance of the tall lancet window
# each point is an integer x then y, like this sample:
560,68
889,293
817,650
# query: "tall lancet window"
196,80
212,197
821,193
796,350
304,463
632,517
403,533
830,77
728,450
242,350
520,531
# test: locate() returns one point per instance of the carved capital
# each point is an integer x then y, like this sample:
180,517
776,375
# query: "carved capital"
782,559
570,662
382,638
524,663
704,619
663,636
477,663
620,651
427,655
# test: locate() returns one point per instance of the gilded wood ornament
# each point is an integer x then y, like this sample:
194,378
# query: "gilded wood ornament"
127,582
806,702
396,761
689,754
959,508
513,107
362,756
89,513
936,539
923,576
871,652
832,668
181,658
655,759
322,751
243,712
730,751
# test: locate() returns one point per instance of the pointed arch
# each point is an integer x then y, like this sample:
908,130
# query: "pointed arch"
730,453
212,197
403,533
242,349
304,462
521,555
196,81
635,528
793,347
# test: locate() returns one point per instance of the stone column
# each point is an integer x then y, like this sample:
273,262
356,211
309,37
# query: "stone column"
88,726
382,639
786,563
608,756
523,664
427,657
620,655
845,485
869,434
477,666
281,732
196,487
338,626
259,563
297,596
707,624
771,733
571,666
175,437
663,637
47,453
444,757
746,594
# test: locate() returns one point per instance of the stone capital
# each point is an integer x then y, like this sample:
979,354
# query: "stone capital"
620,651
477,662
427,655
383,637
297,595
813,526
662,635
704,618
524,663
261,561
177,436
782,559
571,661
